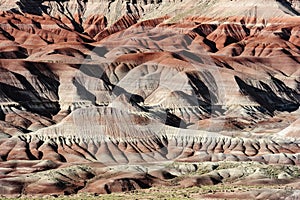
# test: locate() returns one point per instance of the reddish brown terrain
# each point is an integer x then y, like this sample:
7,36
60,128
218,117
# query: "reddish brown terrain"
101,97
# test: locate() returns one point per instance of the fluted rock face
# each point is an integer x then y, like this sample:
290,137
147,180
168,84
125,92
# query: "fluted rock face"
104,96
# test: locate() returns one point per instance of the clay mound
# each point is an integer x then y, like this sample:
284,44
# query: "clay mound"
30,29
158,143
99,119
123,23
68,52
59,54
183,59
179,61
95,24
227,34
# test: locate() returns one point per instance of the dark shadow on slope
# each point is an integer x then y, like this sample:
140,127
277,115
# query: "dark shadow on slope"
173,120
134,99
49,81
6,34
65,12
211,44
288,6
13,55
285,34
34,7
191,56
283,89
29,99
267,99
205,29
229,40
99,50
201,89
83,92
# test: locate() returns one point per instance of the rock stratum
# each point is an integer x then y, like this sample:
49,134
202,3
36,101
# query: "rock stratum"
113,96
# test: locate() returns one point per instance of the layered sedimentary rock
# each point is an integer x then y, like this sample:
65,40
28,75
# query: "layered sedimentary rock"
86,93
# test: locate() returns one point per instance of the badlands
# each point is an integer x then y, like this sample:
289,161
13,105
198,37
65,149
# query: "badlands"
160,99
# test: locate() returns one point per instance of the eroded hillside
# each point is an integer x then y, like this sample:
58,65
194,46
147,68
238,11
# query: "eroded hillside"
111,96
